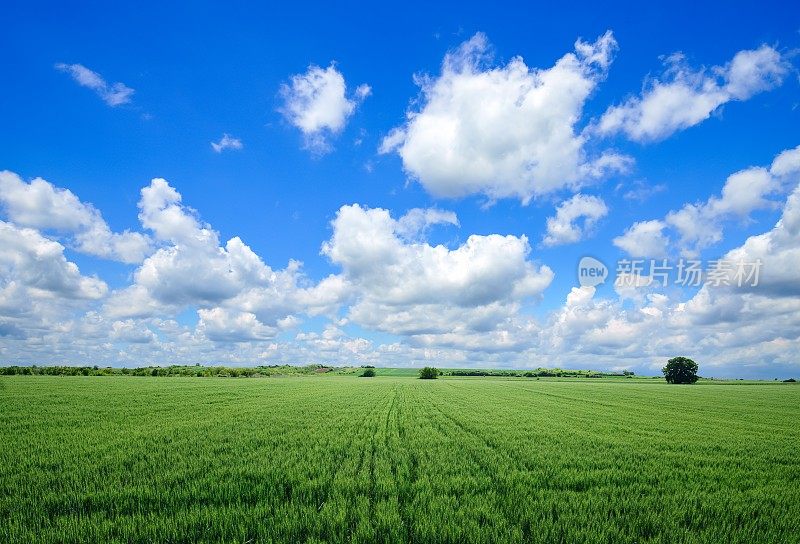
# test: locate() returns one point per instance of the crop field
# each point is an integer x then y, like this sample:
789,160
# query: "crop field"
396,459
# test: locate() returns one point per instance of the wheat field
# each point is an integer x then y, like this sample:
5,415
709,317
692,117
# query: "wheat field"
396,459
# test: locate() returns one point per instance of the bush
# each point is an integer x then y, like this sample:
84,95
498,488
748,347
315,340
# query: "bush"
790,380
429,373
368,373
680,370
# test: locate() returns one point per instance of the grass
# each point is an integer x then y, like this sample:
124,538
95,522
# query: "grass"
392,459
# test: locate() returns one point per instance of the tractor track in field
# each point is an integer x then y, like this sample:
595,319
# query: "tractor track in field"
509,461
370,431
475,455
509,453
367,461
405,490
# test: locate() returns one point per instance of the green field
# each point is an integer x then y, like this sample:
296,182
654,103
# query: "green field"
394,459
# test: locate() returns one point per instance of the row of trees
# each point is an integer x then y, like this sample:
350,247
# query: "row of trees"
539,372
165,371
678,370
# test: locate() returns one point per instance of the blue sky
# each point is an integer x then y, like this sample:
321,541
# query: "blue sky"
485,127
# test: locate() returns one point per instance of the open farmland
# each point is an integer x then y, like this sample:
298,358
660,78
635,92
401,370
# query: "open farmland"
393,459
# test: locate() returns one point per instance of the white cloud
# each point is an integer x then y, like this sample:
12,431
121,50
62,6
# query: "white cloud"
754,71
161,211
132,331
779,252
683,97
700,225
506,131
729,330
232,288
644,239
114,94
226,142
786,163
316,102
640,191
39,265
412,288
566,227
416,222
222,325
43,206
39,290
744,192
753,325
191,268
363,91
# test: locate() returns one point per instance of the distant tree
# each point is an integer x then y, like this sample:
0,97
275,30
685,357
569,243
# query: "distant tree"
429,373
680,370
368,373
790,380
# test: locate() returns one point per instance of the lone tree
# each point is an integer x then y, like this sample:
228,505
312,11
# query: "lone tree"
428,373
368,373
680,370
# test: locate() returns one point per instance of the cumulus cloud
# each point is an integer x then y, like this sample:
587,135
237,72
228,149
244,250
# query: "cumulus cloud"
574,220
731,329
132,331
39,287
316,102
223,325
114,94
699,225
504,131
416,222
236,293
779,252
642,334
644,239
753,324
786,163
226,142
683,97
462,304
43,206
462,299
39,265
413,288
191,268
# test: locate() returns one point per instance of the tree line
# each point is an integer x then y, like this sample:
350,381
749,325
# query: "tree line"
536,373
164,371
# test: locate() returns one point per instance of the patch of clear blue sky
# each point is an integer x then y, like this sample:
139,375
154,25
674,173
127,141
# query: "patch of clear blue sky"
201,69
